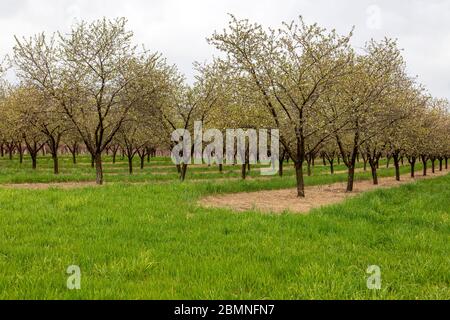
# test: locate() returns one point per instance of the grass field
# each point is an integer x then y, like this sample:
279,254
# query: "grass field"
152,241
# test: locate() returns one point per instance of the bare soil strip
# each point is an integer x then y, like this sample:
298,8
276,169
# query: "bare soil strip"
278,201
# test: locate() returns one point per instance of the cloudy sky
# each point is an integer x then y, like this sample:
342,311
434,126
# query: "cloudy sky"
178,28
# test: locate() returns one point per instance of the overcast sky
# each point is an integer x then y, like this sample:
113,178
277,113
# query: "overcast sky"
178,28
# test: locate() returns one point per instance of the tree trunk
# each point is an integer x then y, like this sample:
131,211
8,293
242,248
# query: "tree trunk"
73,150
20,151
441,164
33,150
220,168
412,163
300,180
10,152
373,167
433,160
92,161
55,163
446,163
98,168
33,160
130,164
351,169
183,171
114,154
331,165
280,170
281,163
351,178
243,171
424,163
53,143
397,166
142,161
2,150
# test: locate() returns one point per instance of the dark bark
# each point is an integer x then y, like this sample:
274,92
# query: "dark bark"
373,167
55,163
280,169
98,168
243,171
33,149
281,163
330,157
396,157
130,163
424,159
412,163
351,178
309,168
350,158
73,150
300,179
142,152
364,157
114,150
53,144
433,167
20,150
33,161
10,147
184,168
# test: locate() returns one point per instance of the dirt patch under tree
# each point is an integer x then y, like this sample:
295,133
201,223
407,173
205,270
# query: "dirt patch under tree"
278,201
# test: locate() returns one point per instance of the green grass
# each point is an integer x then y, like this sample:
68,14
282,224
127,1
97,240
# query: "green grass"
152,241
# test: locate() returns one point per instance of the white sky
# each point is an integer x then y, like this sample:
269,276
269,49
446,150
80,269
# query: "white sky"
178,28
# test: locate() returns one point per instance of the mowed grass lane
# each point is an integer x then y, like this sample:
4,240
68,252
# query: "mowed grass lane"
157,170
